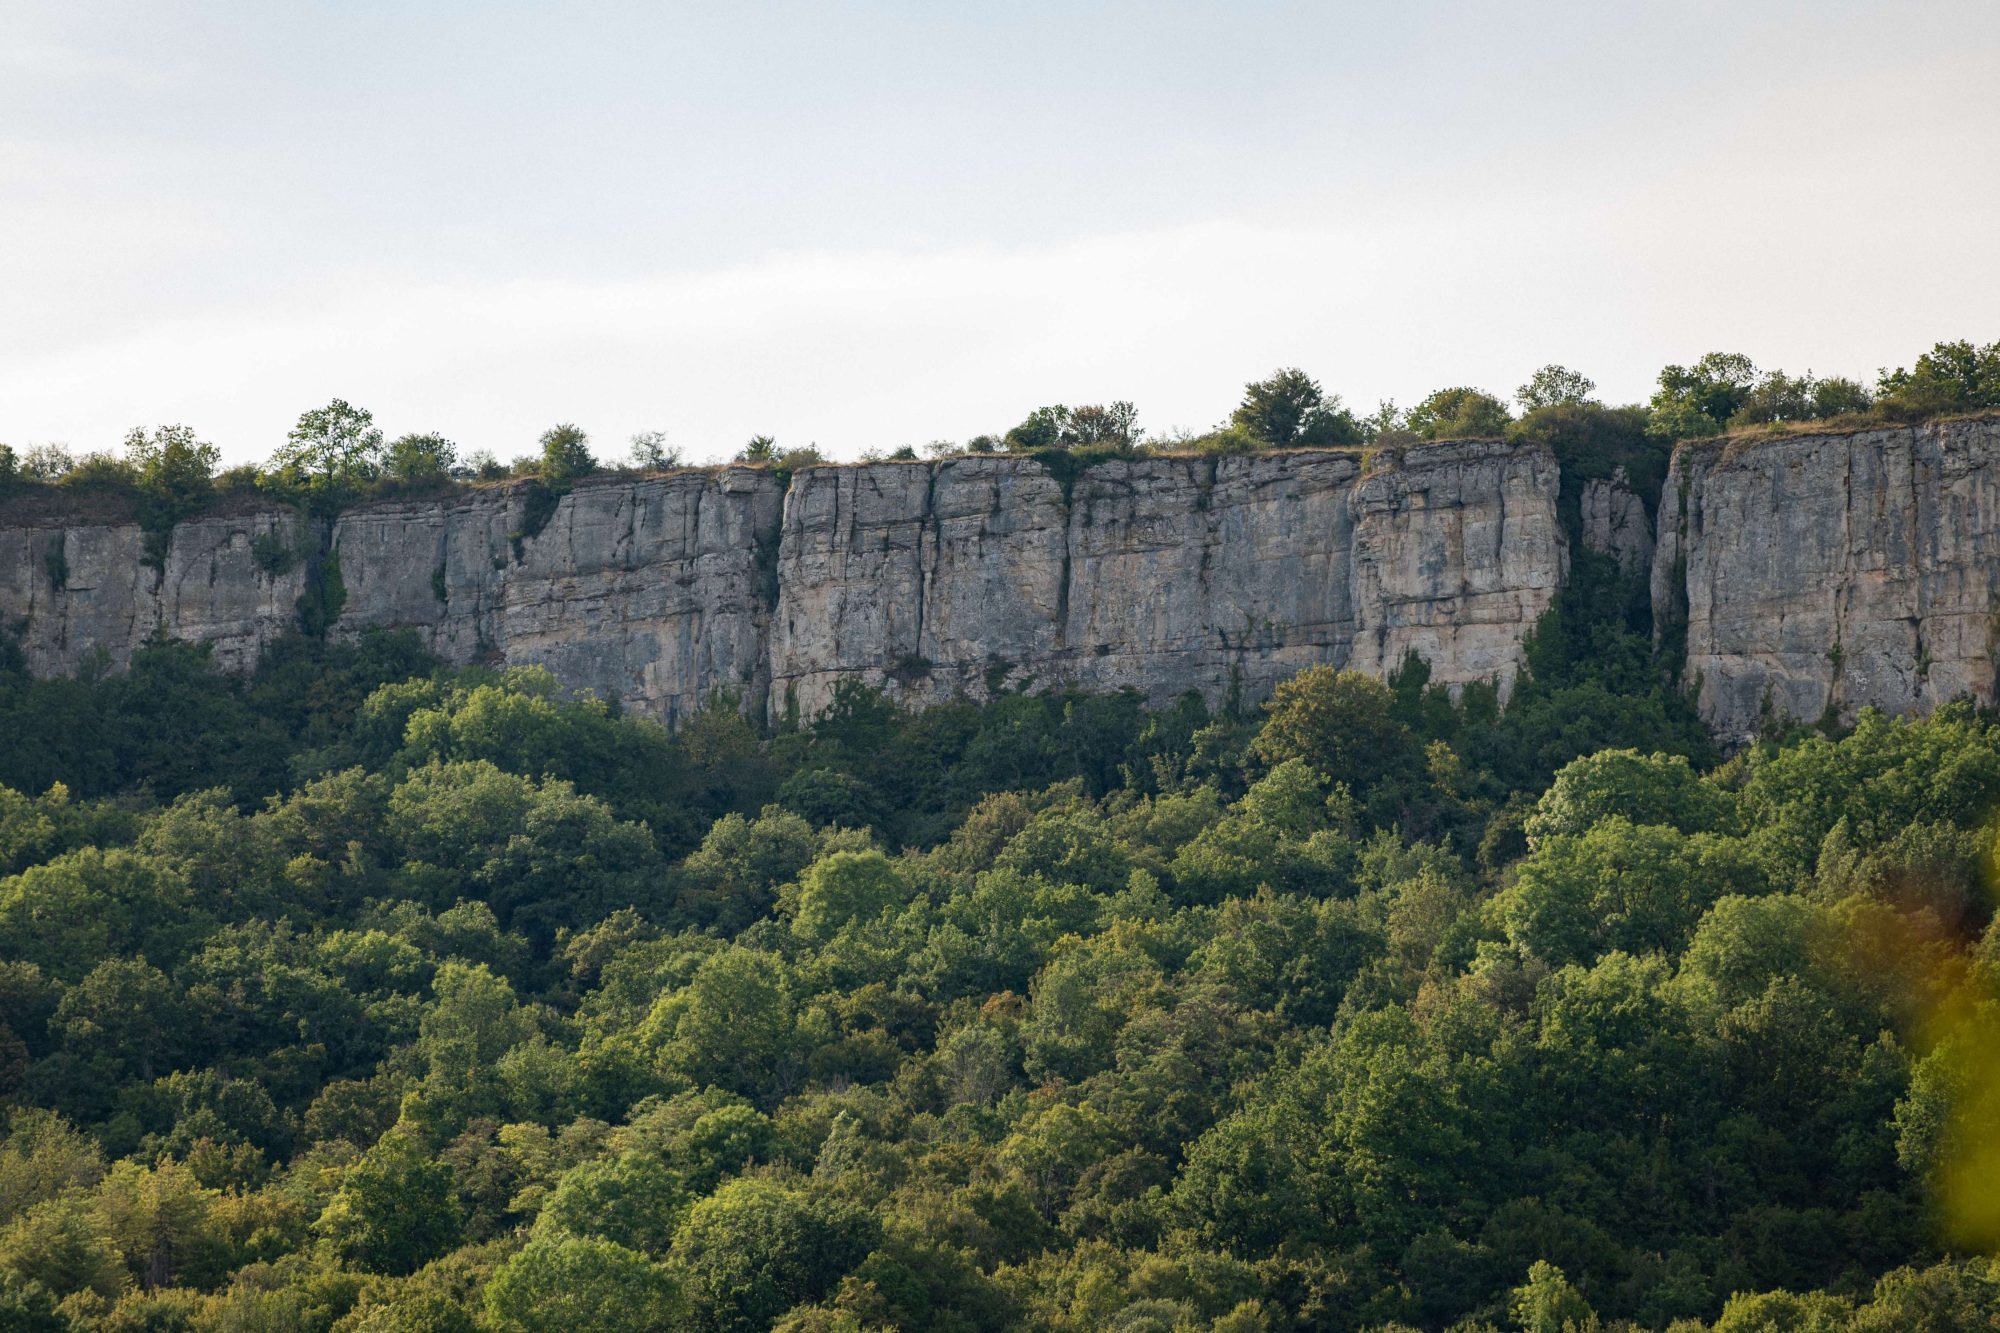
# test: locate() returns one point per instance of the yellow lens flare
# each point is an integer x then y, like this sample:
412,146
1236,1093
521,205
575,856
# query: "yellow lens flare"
1926,971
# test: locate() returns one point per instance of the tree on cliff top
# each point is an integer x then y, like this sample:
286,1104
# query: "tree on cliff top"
420,459
1113,424
1951,377
332,451
566,454
1289,410
1697,400
1458,414
1554,384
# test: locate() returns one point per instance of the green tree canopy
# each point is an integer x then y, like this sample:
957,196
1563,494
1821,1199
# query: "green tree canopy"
1555,385
331,451
565,454
1458,413
1288,409
1693,401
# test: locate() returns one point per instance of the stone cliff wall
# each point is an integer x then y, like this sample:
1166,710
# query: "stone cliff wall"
929,579
73,590
1833,571
652,592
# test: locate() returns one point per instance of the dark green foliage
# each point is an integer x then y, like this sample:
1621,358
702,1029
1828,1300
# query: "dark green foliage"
1779,397
55,562
394,1210
1112,426
274,552
324,596
538,505
329,457
1555,386
1290,410
1592,442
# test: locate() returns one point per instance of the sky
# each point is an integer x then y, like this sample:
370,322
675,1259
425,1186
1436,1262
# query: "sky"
867,225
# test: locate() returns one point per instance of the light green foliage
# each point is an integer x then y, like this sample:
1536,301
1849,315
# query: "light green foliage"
565,455
1067,844
1547,1303
68,915
1342,724
1054,1149
420,459
632,1199
581,1285
164,1225
731,1025
1889,775
1553,386
1645,789
41,1157
842,889
540,852
62,1245
1457,414
733,877
1623,886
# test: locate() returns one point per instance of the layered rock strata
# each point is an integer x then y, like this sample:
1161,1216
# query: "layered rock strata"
73,592
1817,574
931,580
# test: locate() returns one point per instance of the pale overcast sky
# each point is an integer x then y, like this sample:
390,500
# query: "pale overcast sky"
865,225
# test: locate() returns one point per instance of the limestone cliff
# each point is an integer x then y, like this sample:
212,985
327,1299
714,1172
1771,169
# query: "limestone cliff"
1833,571
72,590
929,579
1166,574
1615,522
652,592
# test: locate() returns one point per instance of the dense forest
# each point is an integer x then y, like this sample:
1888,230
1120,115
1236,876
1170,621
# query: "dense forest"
363,994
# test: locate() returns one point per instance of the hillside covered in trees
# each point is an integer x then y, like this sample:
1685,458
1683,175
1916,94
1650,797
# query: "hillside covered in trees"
361,994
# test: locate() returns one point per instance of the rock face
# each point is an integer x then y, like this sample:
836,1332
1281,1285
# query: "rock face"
1167,574
1833,571
931,580
1457,551
1615,522
651,592
72,590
